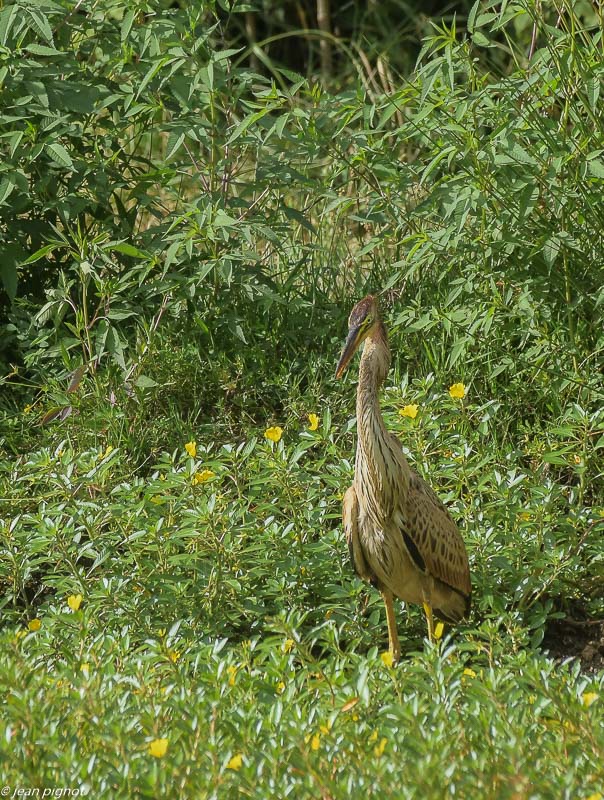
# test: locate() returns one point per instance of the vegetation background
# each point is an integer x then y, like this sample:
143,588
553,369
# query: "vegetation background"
192,196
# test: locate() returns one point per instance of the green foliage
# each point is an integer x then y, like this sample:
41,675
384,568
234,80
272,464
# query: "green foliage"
184,226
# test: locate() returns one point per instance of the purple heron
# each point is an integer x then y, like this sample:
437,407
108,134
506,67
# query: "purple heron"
400,536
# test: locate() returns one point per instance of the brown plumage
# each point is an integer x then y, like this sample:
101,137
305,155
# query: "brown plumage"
400,536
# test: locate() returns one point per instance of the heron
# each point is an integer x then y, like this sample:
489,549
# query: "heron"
401,537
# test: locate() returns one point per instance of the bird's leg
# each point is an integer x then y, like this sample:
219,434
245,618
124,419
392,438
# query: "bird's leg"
393,643
428,613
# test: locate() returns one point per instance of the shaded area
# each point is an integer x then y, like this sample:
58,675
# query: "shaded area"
572,638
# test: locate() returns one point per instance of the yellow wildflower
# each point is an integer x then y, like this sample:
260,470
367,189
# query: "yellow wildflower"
34,624
457,391
594,796
232,671
173,655
203,476
315,742
74,601
85,668
158,748
191,448
387,658
589,698
409,411
108,451
374,736
274,434
235,762
27,408
314,422
379,748
288,645
438,631
280,687
469,672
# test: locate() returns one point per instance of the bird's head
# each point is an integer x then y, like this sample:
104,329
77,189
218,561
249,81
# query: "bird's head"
363,318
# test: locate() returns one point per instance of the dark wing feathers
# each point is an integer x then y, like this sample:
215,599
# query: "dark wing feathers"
435,537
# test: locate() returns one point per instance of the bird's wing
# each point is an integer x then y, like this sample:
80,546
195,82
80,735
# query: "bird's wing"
430,535
433,539
350,519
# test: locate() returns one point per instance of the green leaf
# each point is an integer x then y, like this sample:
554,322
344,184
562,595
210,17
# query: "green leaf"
41,24
144,382
42,50
126,25
11,256
7,16
59,155
129,250
6,187
551,249
596,167
592,89
480,39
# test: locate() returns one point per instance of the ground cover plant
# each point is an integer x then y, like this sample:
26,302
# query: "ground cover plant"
188,212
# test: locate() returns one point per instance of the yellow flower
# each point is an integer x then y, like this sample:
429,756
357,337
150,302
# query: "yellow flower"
173,655
107,452
373,737
438,631
27,408
34,624
387,658
457,391
74,601
589,698
288,645
314,422
232,671
235,762
594,796
274,434
203,476
85,668
280,687
191,448
379,748
158,748
469,672
409,411
315,742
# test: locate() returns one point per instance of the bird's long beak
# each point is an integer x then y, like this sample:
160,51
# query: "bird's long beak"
352,342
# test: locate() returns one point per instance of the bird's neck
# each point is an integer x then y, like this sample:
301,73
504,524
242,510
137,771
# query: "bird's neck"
373,439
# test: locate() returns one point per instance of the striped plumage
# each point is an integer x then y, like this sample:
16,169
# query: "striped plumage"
400,536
